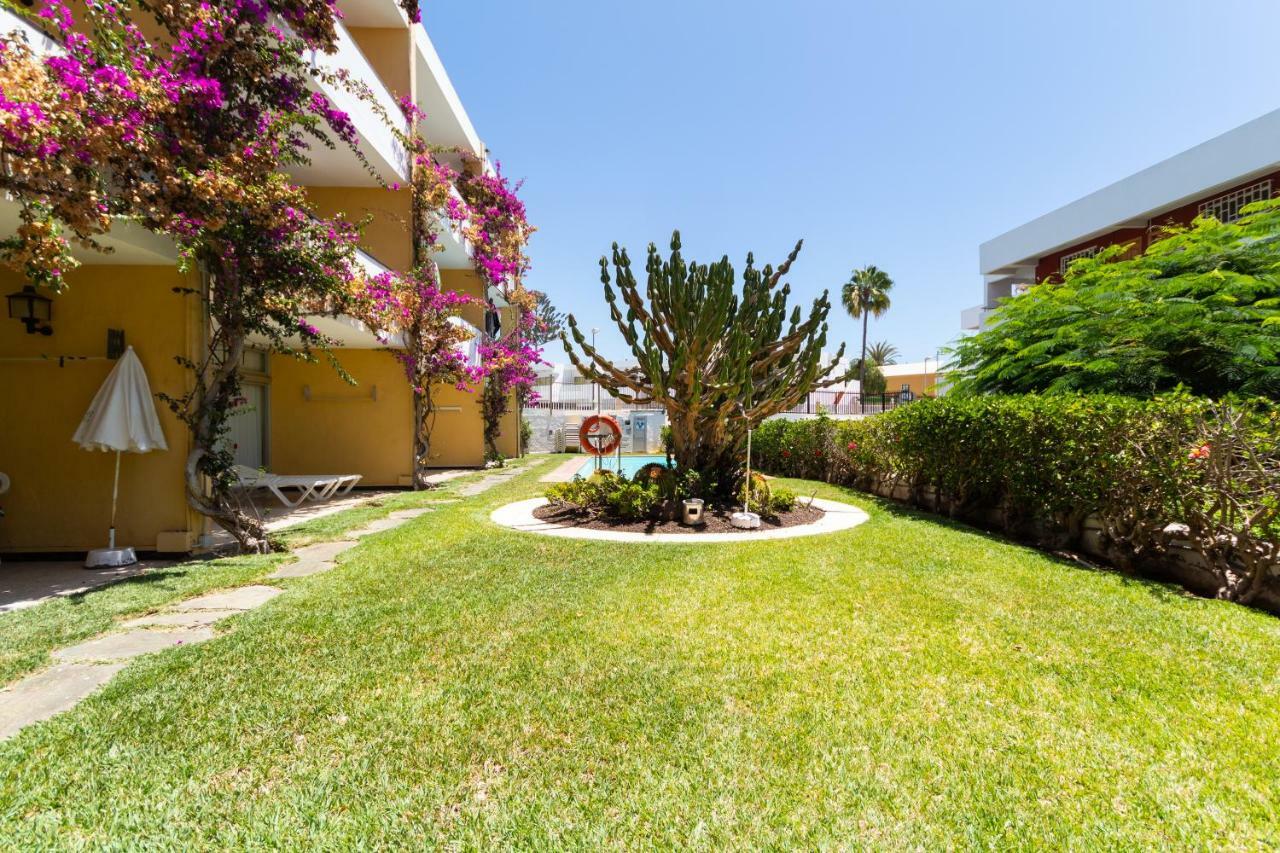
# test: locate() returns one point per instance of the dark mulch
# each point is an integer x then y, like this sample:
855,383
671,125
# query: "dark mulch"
717,521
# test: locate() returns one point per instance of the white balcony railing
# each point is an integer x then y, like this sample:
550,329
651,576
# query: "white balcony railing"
378,142
975,317
41,44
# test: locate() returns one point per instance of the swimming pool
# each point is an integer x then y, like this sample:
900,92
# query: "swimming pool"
630,464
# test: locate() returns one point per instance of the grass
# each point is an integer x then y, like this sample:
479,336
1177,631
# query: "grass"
28,636
905,683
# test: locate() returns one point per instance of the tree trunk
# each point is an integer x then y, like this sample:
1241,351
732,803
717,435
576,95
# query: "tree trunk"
208,489
862,362
422,412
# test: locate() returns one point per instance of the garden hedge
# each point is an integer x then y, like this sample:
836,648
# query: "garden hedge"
1174,485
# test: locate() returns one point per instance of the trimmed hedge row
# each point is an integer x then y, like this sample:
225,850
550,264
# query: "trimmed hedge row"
1175,484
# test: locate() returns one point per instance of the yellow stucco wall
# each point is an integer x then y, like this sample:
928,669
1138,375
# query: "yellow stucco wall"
922,384
341,429
388,51
387,237
469,282
60,499
457,436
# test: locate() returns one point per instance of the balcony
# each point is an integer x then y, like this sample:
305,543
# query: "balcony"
41,44
339,167
974,318
446,122
457,251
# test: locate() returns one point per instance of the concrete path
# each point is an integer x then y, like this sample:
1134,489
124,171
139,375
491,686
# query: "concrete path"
313,559
565,471
50,692
836,516
84,667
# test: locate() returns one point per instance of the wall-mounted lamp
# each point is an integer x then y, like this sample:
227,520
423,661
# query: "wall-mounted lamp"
33,309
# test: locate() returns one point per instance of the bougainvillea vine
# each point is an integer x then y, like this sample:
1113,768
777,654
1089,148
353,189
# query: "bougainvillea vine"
183,118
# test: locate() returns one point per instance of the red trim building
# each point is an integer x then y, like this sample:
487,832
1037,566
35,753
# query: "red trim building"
1216,178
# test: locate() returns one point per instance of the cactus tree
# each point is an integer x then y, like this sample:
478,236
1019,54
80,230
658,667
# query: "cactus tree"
716,359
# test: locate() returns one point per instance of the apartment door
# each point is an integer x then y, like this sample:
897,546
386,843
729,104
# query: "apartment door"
248,427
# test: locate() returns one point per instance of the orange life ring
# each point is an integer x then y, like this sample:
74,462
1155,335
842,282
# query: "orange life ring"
592,427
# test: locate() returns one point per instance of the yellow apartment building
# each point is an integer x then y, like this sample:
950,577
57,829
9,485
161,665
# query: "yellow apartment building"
299,418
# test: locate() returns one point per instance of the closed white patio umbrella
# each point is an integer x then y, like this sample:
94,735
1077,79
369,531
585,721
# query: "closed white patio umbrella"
121,418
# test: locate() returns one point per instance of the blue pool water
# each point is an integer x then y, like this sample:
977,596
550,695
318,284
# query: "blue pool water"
630,464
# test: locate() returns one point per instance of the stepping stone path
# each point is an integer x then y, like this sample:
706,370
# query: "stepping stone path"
499,475
313,559
51,692
83,668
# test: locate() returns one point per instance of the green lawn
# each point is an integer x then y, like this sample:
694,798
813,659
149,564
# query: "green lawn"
28,636
903,683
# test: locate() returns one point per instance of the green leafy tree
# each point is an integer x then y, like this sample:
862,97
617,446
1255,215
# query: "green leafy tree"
873,380
718,358
548,323
864,295
882,353
1198,309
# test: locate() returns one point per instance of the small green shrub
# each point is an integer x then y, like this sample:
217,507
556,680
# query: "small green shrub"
757,489
604,492
632,501
782,500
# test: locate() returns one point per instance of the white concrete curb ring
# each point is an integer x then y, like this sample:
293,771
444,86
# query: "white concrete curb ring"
519,516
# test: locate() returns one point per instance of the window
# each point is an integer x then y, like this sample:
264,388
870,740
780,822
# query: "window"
1226,208
1068,260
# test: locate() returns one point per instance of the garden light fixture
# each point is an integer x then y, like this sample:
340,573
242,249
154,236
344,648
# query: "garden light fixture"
33,309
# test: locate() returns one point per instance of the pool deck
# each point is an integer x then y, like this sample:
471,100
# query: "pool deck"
564,472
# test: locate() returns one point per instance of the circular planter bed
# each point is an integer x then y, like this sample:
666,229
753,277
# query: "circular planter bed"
536,515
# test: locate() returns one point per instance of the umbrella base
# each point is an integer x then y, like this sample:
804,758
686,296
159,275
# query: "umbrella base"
110,557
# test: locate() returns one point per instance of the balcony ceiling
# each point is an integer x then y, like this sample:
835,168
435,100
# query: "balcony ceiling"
373,13
131,244
446,121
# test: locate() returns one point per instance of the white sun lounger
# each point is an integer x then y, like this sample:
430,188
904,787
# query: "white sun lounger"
313,487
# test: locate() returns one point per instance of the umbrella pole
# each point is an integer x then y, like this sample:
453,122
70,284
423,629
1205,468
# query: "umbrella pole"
115,492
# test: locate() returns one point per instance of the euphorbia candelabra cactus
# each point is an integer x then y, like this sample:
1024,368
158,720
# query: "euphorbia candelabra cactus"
718,360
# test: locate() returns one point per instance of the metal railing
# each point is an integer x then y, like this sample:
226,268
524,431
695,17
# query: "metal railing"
850,403
572,397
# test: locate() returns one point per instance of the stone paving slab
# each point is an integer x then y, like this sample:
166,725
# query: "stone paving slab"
324,551
313,559
51,692
565,471
441,477
183,619
241,598
406,514
130,644
376,526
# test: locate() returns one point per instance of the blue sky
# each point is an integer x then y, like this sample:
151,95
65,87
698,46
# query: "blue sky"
899,134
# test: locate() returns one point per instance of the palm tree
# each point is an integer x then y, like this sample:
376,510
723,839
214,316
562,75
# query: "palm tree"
866,293
882,353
